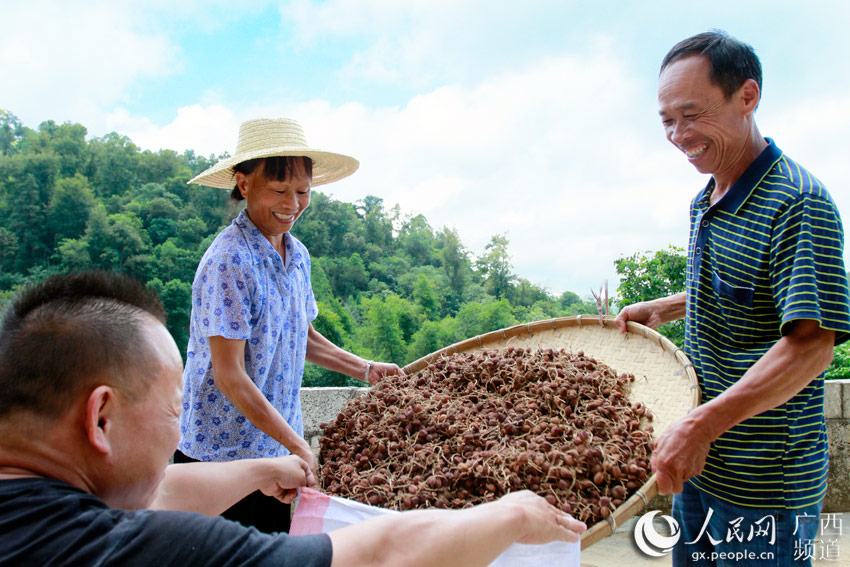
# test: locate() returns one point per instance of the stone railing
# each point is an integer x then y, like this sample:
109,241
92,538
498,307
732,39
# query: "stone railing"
836,406
322,404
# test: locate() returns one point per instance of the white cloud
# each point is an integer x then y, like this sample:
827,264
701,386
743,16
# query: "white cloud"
813,131
562,153
204,129
561,169
570,174
312,20
76,59
420,43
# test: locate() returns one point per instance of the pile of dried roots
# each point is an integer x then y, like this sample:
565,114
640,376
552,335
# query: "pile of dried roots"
472,427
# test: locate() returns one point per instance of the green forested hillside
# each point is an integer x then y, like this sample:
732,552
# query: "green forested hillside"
389,286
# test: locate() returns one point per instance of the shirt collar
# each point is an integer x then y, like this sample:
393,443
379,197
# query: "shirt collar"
260,243
749,180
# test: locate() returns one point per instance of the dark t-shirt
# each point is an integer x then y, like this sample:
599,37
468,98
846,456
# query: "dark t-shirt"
47,522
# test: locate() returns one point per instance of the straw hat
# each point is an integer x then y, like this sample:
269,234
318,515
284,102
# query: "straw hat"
266,137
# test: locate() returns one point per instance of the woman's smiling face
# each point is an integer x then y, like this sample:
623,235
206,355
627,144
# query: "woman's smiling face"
274,206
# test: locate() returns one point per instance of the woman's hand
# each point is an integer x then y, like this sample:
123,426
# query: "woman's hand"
304,451
378,370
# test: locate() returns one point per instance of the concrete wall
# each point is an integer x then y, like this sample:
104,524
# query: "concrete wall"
320,405
837,411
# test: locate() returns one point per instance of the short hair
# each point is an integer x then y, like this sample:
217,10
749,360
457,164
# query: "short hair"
69,333
733,62
275,168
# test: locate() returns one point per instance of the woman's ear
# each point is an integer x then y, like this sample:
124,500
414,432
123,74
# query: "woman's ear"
100,412
242,184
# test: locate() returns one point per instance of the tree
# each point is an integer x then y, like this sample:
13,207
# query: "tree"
159,166
433,336
8,250
378,227
69,208
98,239
571,304
190,232
387,319
330,228
496,266
159,208
390,270
425,295
387,285
23,213
174,263
161,230
176,297
11,131
840,367
114,239
455,262
196,164
478,318
73,254
126,236
348,276
526,294
211,206
68,142
650,275
114,165
568,299
418,242
329,323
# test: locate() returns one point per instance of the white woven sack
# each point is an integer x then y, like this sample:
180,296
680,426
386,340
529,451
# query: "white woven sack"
316,512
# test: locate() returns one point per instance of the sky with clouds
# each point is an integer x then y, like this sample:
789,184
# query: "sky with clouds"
536,119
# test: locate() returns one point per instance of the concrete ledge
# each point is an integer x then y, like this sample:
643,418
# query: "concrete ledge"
319,405
838,482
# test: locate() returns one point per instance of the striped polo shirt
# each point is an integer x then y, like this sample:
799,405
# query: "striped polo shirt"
767,253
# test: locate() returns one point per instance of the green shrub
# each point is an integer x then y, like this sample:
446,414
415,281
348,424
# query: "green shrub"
840,367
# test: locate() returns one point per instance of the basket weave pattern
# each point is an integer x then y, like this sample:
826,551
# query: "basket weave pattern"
665,380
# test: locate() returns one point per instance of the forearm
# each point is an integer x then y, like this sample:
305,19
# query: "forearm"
241,391
793,362
209,488
653,313
470,537
671,308
231,378
323,352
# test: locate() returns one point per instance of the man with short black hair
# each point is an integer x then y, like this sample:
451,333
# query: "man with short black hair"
766,301
90,399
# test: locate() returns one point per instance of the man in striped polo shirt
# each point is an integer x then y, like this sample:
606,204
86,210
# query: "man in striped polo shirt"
766,300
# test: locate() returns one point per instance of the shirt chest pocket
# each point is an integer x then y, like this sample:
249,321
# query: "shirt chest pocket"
736,306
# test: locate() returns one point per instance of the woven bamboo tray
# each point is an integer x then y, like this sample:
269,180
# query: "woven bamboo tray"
665,380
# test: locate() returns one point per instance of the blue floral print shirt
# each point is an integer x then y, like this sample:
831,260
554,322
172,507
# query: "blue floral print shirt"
244,290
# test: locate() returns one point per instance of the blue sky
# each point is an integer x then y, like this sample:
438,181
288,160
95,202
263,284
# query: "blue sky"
537,119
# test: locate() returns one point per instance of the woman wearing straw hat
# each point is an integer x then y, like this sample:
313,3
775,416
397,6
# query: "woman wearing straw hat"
252,307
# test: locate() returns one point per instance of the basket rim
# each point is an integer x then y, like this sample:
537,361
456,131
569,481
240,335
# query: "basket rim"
640,498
